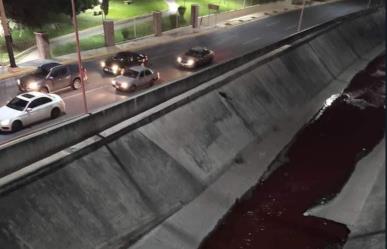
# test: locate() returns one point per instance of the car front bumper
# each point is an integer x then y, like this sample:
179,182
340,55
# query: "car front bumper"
186,65
6,127
110,70
121,87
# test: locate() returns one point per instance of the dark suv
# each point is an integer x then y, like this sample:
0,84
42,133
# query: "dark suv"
122,60
51,77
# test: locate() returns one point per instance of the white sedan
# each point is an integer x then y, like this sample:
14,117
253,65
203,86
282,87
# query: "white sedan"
134,78
28,108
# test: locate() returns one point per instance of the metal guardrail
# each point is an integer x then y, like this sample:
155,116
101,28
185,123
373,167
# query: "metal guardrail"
18,154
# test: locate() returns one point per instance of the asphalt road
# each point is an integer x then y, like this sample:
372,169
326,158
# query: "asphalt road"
226,42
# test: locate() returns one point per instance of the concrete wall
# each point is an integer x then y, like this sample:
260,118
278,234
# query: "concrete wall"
109,196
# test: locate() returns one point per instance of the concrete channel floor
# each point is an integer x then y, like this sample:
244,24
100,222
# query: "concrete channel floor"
191,224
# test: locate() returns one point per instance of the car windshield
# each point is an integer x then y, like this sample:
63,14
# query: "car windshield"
17,104
45,69
193,53
130,73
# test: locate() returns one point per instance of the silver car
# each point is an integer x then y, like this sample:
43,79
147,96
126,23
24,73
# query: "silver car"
28,108
135,77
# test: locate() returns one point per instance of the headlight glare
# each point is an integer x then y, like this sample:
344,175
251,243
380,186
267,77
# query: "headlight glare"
33,85
190,62
179,59
5,122
102,63
125,85
115,68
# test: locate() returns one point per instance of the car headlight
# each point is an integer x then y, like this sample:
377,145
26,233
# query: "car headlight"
190,62
5,122
113,82
115,68
18,81
179,59
102,63
125,85
33,85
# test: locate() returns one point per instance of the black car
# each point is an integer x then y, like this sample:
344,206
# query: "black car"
122,60
195,57
50,77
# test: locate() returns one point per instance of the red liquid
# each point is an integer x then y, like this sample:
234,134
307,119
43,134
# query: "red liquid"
317,164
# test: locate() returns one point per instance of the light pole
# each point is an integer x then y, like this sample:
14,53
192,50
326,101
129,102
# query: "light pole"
244,4
7,35
80,68
369,3
102,11
301,15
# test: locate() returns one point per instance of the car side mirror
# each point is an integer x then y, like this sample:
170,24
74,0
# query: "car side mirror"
28,110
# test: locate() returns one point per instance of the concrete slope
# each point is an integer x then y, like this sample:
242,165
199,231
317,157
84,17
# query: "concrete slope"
118,190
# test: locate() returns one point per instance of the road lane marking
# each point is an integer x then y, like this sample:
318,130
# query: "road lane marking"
87,91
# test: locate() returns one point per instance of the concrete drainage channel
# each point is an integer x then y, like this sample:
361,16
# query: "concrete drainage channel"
130,178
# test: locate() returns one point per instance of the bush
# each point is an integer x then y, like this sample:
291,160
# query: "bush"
125,34
181,11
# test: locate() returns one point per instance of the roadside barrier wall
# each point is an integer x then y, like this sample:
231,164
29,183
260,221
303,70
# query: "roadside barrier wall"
119,190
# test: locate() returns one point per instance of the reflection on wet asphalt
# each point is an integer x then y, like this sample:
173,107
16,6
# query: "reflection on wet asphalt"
313,169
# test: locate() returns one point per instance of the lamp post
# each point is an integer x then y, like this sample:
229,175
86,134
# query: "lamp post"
80,68
102,12
7,35
301,16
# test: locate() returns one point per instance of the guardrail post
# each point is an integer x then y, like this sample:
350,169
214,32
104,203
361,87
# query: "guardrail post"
195,15
108,29
157,23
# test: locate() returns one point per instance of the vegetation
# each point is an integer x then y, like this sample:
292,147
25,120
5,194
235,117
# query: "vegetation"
60,23
121,35
42,11
224,5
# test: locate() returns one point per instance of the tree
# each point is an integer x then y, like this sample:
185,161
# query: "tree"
105,7
38,12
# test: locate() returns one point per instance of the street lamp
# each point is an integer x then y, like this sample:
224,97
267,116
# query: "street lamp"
102,11
80,68
301,15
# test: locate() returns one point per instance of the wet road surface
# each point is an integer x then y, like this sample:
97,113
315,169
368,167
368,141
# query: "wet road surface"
312,169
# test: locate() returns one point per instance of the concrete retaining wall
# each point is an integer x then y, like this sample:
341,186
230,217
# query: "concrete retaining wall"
111,195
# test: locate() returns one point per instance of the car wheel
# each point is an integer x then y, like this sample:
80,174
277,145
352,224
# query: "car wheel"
17,125
44,90
76,84
55,113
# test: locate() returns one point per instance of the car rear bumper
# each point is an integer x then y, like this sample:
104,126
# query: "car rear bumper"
185,65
